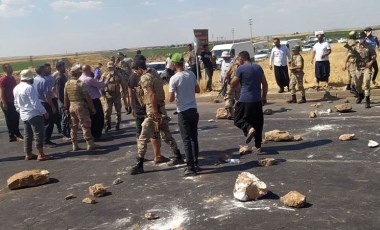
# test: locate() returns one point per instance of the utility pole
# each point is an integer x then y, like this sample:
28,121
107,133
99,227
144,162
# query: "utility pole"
250,22
233,35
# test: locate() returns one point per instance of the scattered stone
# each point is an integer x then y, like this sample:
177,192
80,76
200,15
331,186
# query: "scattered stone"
346,101
245,150
249,187
268,112
297,138
151,216
221,113
211,120
117,181
216,101
344,108
294,199
70,196
89,200
136,227
29,178
347,137
329,110
278,136
316,105
97,190
179,228
373,144
329,101
313,114
267,162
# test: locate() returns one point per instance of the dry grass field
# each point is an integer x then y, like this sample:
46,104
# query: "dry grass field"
337,77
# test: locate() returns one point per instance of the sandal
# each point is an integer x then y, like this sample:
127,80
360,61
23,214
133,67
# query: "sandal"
161,160
31,156
44,158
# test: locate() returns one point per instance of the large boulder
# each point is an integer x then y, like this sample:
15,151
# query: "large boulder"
267,162
29,178
344,108
294,199
97,190
245,150
249,187
221,113
278,136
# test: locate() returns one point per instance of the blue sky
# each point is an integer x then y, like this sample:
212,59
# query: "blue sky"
36,27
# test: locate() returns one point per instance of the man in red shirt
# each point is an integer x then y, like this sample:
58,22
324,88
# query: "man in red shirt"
12,117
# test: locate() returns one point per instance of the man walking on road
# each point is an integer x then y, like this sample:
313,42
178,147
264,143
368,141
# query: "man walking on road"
183,86
249,109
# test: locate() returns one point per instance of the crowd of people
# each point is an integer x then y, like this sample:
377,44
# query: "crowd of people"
85,97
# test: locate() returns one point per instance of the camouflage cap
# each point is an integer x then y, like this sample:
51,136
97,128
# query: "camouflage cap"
76,69
296,48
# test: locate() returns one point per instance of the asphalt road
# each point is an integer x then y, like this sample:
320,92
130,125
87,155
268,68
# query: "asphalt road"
339,179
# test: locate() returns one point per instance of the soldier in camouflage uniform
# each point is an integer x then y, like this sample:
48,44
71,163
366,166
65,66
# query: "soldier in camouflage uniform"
232,93
112,94
364,69
349,64
296,75
123,67
155,125
78,103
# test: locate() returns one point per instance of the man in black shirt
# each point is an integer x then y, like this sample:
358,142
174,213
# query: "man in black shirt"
207,63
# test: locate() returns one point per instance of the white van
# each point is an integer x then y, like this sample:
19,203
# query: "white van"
259,46
233,49
291,43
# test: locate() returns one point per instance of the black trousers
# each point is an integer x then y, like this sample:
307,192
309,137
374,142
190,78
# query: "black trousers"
97,120
12,118
209,73
194,70
49,123
250,115
188,127
322,71
375,70
57,116
282,76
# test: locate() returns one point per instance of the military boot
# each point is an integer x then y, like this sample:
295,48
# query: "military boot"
367,102
360,98
303,100
75,146
108,127
117,127
293,99
91,145
139,167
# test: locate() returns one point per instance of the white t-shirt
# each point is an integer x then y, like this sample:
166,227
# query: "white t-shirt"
168,63
278,56
183,85
320,49
224,67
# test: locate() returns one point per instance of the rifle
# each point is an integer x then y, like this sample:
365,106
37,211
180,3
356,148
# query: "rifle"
355,53
223,91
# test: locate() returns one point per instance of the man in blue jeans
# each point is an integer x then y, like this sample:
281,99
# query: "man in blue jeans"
183,86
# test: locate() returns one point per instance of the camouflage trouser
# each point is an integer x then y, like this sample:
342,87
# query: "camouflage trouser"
232,95
109,102
296,78
80,115
363,75
151,129
351,72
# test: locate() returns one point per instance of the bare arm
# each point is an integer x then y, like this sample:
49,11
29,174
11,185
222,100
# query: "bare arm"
235,81
197,89
171,96
327,53
131,93
3,99
264,83
312,57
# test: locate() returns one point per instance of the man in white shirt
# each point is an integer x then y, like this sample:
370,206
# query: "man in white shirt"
321,52
182,88
225,65
278,57
32,113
